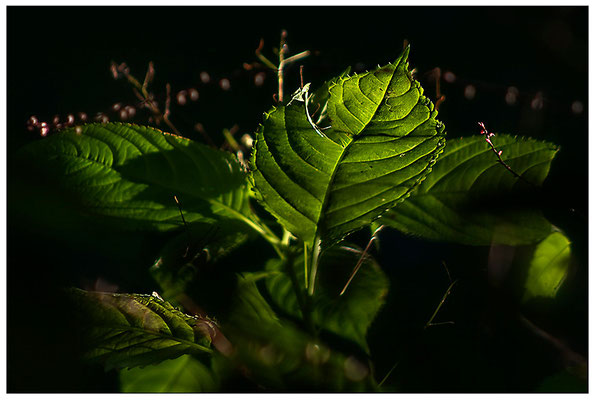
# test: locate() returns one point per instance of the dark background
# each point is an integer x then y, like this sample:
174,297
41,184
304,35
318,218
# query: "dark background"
58,63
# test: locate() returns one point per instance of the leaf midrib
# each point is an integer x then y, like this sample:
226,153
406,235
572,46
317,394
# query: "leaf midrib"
159,335
343,152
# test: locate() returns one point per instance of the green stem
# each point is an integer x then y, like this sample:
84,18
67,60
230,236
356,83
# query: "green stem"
259,227
314,264
430,321
302,301
306,266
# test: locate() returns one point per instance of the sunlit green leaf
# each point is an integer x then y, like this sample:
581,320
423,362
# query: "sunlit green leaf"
322,184
129,174
548,267
129,330
471,198
185,374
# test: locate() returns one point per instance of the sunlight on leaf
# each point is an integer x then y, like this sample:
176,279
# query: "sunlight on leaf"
129,174
549,267
185,374
470,198
384,137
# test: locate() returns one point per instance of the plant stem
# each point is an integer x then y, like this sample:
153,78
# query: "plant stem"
361,258
281,64
305,266
388,373
302,301
430,323
314,264
257,225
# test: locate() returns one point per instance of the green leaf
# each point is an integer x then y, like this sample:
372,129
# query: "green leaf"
549,267
185,374
179,260
129,330
383,139
278,356
130,173
471,198
570,380
348,315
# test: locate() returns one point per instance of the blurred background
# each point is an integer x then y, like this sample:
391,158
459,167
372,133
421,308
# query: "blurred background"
521,70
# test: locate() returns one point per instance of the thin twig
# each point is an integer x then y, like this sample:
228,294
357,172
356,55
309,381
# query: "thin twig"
498,153
141,92
148,76
201,129
388,373
439,96
230,140
167,100
297,57
447,271
446,294
262,58
185,225
429,323
361,259
281,64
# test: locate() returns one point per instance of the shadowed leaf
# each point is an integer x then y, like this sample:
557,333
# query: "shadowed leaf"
472,199
129,174
129,330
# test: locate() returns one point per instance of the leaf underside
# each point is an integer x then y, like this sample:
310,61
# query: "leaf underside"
471,198
383,139
129,330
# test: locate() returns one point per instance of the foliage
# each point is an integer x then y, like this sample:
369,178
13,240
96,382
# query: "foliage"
363,151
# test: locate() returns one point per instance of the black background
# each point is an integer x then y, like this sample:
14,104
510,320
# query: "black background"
58,63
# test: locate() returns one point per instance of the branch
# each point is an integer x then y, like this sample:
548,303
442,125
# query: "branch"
498,153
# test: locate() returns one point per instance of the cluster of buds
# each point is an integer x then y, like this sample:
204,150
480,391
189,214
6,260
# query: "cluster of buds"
147,100
34,124
488,135
44,128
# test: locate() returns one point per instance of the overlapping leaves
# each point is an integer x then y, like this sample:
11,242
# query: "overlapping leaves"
347,315
130,174
322,184
471,198
281,356
129,330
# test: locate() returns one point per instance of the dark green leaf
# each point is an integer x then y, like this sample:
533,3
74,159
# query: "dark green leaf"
129,330
570,380
383,140
177,263
471,198
278,356
131,173
348,315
